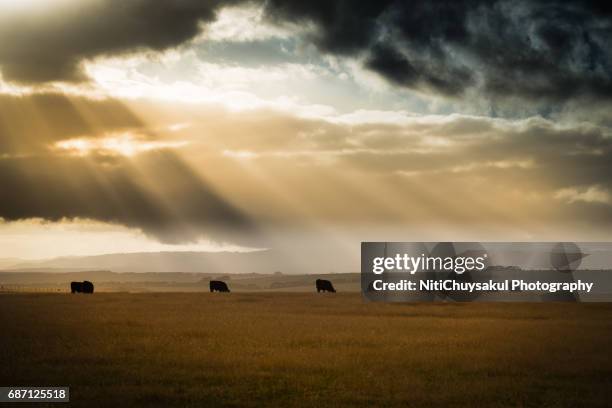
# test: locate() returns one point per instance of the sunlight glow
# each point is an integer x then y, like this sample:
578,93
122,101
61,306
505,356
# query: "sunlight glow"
124,144
19,5
39,239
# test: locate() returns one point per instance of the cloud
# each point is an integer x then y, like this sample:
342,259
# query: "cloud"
549,51
546,53
343,26
242,24
71,157
123,144
229,174
48,43
30,123
398,69
462,169
154,192
591,194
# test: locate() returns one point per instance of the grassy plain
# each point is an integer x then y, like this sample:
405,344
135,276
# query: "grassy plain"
305,349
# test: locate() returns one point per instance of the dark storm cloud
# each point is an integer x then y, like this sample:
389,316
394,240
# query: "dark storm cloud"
394,66
156,193
549,51
344,26
47,44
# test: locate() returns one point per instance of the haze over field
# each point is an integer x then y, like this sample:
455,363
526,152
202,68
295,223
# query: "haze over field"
267,261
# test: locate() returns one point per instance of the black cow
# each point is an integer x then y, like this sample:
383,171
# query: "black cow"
218,286
76,287
324,286
88,287
81,287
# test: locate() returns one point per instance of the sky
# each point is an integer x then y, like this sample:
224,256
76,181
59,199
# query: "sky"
140,125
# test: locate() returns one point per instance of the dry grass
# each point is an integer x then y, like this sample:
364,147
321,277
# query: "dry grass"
305,349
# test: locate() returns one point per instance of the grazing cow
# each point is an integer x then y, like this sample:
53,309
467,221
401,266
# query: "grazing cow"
218,286
324,286
81,287
88,287
76,287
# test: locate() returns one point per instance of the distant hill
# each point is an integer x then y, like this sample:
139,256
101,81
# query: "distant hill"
299,261
52,276
263,262
9,262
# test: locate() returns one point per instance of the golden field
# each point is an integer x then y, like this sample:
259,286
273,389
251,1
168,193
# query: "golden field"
305,349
